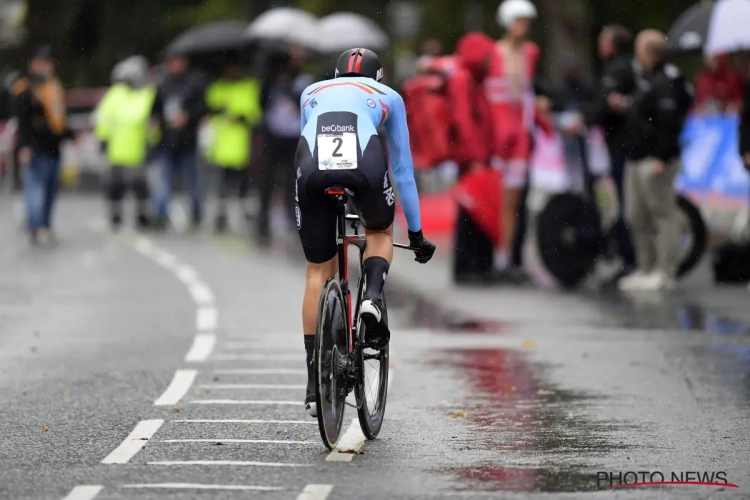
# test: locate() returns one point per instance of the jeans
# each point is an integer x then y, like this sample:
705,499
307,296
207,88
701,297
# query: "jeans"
624,240
170,162
40,182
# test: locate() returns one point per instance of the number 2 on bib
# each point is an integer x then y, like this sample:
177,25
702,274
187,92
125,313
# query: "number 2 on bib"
337,152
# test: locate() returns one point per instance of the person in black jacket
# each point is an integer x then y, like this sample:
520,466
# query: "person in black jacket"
744,136
179,107
618,76
655,116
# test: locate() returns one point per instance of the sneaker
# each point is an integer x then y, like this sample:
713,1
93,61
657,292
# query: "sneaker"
46,237
633,281
115,222
371,312
221,224
657,281
311,406
142,222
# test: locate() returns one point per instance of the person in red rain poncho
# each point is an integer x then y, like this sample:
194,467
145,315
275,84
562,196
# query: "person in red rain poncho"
472,133
510,93
718,88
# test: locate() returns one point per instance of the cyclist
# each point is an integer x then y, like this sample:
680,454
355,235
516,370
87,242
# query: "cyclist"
340,145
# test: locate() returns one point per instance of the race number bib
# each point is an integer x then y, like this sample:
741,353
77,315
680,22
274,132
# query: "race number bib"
337,152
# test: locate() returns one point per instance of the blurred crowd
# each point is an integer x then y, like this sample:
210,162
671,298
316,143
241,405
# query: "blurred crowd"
482,114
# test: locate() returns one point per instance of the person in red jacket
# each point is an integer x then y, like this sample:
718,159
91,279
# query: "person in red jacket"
718,88
472,135
510,93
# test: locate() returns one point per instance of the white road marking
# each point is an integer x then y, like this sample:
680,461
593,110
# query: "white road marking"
252,441
186,274
144,246
241,402
84,492
179,386
228,462
250,386
259,357
191,486
203,346
206,319
235,421
201,294
261,371
316,492
164,259
352,440
178,216
133,443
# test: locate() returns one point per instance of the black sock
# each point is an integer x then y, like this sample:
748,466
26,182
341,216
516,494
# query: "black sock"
376,272
309,351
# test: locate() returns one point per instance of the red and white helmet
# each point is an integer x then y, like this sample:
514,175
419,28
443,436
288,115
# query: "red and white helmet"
511,10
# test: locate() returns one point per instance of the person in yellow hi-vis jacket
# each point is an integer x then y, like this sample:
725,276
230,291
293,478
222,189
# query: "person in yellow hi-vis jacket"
234,106
122,125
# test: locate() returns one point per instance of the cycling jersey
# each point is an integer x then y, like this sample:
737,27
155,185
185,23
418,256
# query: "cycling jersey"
375,105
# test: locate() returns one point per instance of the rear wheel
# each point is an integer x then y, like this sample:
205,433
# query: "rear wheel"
693,235
371,389
331,350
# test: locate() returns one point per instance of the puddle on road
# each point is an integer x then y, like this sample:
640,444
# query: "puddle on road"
424,313
514,416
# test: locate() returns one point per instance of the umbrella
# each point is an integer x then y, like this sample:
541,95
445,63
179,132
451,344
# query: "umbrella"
688,32
479,194
286,25
346,30
210,37
728,30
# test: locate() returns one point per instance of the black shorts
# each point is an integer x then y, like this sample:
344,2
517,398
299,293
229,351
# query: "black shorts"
373,197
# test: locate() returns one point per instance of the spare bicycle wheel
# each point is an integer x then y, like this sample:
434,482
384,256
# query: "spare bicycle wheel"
569,237
331,350
371,389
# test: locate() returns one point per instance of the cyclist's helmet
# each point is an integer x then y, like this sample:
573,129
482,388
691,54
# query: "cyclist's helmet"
360,62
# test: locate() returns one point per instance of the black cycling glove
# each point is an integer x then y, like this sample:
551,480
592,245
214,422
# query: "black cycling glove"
423,249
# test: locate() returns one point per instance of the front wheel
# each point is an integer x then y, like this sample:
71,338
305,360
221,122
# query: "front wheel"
331,353
371,389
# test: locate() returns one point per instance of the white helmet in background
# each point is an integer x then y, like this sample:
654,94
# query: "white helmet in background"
133,70
512,10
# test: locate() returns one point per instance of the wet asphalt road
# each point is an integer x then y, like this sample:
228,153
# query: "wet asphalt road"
505,393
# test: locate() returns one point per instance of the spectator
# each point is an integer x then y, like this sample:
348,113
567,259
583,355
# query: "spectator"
179,107
655,117
618,76
744,133
280,99
472,133
234,104
40,110
431,49
122,125
718,88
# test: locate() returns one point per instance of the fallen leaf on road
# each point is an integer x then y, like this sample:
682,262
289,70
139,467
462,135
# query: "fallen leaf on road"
353,452
45,429
216,379
512,388
459,414
529,344
219,444
143,447
727,437
65,392
177,410
142,439
468,447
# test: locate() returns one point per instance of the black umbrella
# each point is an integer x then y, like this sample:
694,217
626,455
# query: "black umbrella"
688,33
210,37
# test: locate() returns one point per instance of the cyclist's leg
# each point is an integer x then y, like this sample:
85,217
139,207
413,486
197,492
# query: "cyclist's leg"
377,209
316,223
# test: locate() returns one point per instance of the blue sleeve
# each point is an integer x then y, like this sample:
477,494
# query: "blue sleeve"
303,119
397,132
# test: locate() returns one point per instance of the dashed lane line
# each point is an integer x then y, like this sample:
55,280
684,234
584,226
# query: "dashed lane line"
260,371
180,385
87,492
236,421
249,441
239,463
206,319
201,294
193,486
203,346
134,442
243,402
250,386
316,492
